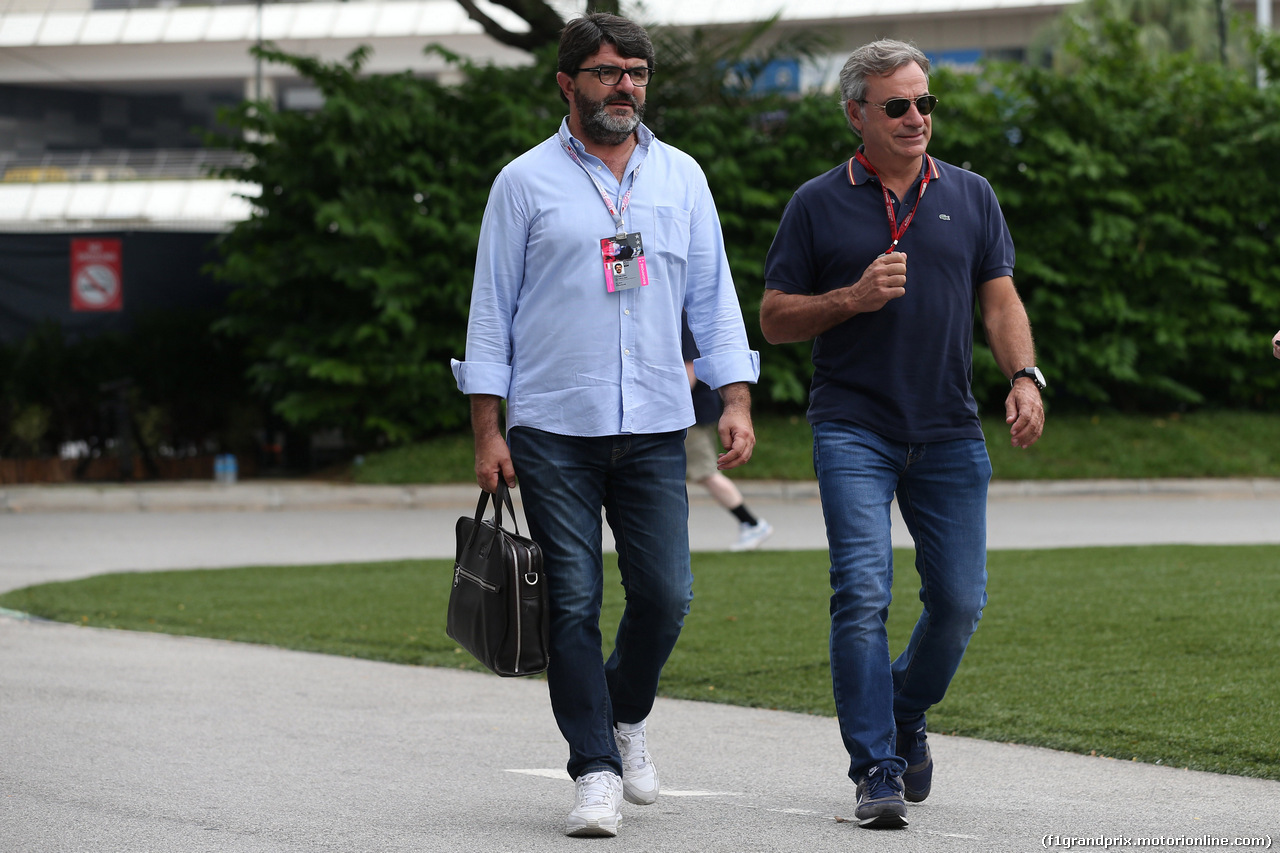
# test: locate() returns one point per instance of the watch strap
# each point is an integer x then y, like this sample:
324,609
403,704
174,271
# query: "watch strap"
1031,373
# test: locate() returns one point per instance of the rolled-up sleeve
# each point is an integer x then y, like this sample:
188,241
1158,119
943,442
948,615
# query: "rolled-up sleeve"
495,290
725,368
480,378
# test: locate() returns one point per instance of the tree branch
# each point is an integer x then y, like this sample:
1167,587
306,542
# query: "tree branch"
544,23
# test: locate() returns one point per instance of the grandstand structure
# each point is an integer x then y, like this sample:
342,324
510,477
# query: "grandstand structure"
101,101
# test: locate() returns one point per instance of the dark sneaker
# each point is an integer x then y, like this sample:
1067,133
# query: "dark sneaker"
913,748
880,803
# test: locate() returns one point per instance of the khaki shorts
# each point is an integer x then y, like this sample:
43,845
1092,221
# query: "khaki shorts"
700,449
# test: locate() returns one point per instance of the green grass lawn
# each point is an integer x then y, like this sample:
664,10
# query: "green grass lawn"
1161,654
1201,444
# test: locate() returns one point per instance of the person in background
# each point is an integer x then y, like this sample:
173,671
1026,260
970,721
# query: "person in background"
1275,345
700,450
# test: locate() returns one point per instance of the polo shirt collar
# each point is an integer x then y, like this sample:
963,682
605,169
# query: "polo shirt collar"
858,174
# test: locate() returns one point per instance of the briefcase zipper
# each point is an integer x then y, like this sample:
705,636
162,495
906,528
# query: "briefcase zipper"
522,568
515,559
459,572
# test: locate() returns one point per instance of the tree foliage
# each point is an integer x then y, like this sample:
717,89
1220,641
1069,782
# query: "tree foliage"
354,272
1138,190
1138,193
1202,28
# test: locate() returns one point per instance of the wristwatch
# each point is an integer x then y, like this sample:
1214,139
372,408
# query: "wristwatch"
1032,373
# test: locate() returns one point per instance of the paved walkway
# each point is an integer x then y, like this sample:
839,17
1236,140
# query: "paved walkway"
117,741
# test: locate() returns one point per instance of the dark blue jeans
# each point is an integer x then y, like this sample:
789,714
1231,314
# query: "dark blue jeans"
638,480
942,492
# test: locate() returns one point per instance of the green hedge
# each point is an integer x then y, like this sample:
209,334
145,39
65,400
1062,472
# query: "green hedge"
1139,190
1140,194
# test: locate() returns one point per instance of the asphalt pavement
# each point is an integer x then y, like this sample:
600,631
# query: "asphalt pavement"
139,743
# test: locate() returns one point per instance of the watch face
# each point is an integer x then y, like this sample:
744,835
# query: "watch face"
1032,373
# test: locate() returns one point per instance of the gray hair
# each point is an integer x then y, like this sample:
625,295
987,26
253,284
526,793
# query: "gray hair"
877,59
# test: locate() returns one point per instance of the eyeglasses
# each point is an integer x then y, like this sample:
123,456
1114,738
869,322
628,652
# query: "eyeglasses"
611,75
897,107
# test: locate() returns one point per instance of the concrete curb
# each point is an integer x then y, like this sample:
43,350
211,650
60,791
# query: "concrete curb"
264,495
269,495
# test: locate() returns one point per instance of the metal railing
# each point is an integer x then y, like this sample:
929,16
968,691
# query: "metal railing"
117,165
153,4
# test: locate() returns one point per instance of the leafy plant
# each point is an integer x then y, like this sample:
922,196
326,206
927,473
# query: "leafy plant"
178,387
1202,28
29,426
354,271
1137,191
1143,265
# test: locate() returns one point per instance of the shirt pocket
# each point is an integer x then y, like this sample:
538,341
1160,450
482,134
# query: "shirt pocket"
670,246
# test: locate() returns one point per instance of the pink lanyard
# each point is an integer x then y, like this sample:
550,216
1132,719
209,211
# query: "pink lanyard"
615,212
894,231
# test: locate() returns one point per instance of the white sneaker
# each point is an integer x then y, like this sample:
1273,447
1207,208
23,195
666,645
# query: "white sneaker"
751,535
599,807
639,776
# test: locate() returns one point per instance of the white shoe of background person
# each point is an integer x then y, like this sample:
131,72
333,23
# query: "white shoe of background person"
751,535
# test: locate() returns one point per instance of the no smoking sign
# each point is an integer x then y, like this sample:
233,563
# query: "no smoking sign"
96,280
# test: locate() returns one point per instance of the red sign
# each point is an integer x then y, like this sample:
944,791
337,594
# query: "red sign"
96,279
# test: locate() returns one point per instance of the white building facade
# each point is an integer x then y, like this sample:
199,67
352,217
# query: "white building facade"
100,99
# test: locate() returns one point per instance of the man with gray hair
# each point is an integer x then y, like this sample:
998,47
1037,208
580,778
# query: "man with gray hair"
891,405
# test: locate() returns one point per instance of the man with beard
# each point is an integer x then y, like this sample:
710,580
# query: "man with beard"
589,362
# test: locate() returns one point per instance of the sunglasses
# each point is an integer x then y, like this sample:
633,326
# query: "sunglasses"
897,107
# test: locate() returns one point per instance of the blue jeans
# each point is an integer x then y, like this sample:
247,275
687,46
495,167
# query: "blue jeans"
942,493
639,482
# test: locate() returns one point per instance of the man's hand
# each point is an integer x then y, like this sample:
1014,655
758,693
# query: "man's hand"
790,317
736,431
493,456
1009,336
493,459
1024,412
884,280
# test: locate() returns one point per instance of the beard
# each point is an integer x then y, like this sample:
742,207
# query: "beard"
602,127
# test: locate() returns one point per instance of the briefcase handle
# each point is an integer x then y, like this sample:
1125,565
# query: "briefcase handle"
503,495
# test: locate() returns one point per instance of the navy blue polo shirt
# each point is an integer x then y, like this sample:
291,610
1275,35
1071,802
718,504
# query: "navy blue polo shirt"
906,370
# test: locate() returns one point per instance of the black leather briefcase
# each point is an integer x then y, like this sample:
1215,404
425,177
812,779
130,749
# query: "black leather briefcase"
498,604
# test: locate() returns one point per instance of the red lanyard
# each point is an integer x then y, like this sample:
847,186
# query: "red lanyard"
895,231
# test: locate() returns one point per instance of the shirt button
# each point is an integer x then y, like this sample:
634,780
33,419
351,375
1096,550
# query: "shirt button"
626,352
626,311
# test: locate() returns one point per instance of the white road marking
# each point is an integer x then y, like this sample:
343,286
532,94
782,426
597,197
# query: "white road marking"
547,773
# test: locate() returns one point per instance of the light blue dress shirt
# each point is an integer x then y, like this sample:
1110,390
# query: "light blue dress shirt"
569,357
